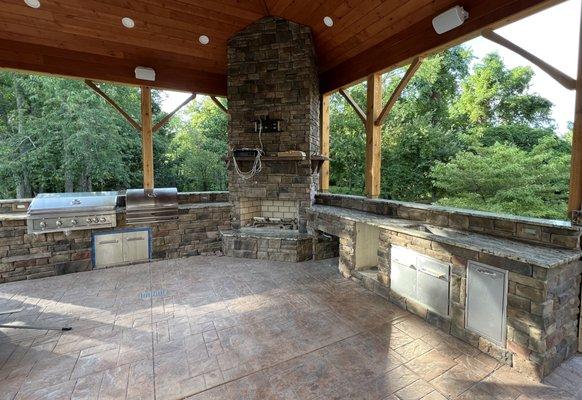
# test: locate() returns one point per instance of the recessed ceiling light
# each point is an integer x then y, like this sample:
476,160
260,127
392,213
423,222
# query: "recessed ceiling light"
328,21
128,22
32,3
203,39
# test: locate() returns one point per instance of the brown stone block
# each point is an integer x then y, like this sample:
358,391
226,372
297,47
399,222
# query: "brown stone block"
535,295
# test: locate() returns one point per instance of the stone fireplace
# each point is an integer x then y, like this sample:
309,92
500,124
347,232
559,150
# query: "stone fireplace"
272,73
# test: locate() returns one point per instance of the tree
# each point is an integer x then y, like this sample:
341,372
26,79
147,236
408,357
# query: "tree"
505,178
196,151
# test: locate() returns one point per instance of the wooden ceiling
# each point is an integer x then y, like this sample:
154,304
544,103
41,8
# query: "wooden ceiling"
85,38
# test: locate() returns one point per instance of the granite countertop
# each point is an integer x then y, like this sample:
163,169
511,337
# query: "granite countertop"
538,255
17,216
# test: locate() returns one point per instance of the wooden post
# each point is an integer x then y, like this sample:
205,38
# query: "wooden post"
373,136
575,201
324,143
146,138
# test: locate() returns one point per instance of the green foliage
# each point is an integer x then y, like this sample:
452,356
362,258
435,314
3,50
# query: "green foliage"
505,178
196,151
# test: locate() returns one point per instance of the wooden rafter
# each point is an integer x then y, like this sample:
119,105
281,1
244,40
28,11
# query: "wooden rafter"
361,114
562,78
108,99
219,104
398,91
165,120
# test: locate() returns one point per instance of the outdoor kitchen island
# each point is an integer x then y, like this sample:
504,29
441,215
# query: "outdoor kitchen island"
510,286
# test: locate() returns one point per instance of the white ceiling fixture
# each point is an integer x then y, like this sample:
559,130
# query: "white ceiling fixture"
328,21
450,19
203,39
145,74
128,22
32,3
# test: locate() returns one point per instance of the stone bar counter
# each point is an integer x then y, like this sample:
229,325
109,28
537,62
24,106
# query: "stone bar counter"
202,215
542,258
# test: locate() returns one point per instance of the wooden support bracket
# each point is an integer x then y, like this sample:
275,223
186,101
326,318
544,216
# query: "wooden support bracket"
562,78
361,114
219,104
165,120
108,99
398,91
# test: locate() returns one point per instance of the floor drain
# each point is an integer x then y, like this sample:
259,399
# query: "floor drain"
149,294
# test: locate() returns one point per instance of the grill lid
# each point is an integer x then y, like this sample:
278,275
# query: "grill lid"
147,206
55,203
142,199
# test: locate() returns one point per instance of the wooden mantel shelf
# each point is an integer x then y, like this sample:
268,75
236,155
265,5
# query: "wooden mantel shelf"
316,160
314,157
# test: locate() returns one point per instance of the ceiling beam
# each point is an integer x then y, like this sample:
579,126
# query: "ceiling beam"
420,39
359,112
562,78
33,58
165,120
398,91
112,102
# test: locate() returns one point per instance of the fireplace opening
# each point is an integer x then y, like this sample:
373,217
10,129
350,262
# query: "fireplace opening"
263,213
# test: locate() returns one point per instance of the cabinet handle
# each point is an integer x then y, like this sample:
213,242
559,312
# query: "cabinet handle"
432,273
134,239
109,242
488,273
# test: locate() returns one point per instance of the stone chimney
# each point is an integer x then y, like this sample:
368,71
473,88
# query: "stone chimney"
272,72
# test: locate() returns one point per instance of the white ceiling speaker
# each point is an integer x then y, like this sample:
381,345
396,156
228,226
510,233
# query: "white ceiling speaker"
145,74
328,21
203,39
450,19
128,22
32,3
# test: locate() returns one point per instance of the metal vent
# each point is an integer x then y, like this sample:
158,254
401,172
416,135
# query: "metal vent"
149,294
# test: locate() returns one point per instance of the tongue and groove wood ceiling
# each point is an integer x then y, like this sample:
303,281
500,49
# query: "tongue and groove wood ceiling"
85,38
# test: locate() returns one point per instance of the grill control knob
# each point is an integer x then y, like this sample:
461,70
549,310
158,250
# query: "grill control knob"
103,219
88,220
59,223
96,220
74,222
42,224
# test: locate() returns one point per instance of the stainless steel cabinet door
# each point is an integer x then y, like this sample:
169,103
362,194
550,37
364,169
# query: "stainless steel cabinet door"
108,250
403,279
433,285
486,301
136,246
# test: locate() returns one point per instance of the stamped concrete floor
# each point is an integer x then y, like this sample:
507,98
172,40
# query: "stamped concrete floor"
223,328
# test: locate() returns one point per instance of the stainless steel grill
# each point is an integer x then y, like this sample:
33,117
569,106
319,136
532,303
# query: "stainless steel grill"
62,212
148,206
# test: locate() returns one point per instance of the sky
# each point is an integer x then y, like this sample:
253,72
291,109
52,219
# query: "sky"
551,35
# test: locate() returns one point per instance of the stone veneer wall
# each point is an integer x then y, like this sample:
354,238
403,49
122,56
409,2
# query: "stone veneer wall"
196,231
530,230
272,71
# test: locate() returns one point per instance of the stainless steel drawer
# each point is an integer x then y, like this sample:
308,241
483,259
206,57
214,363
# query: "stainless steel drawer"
402,255
108,250
486,301
136,246
433,285
403,279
